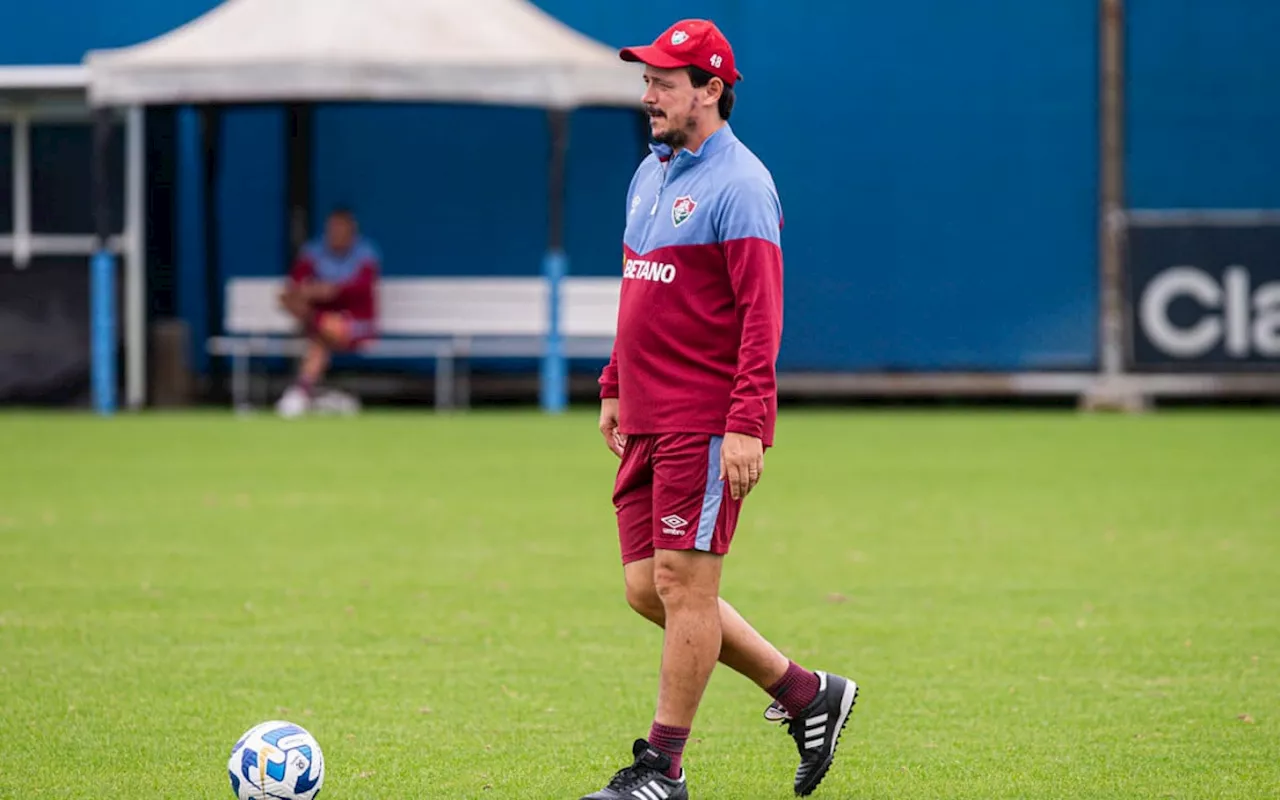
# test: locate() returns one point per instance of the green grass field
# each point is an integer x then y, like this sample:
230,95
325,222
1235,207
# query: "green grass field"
1036,605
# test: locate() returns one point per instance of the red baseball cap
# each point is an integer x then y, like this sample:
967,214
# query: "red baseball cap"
689,43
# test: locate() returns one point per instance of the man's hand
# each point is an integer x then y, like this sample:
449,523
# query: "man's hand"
319,291
742,462
615,440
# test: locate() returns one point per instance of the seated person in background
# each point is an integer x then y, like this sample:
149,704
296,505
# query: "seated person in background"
331,291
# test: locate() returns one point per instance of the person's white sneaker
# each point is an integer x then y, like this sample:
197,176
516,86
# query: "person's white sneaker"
336,402
293,403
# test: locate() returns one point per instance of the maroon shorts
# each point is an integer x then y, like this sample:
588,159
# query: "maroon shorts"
669,496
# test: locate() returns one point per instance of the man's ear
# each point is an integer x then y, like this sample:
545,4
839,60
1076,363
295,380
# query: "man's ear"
715,88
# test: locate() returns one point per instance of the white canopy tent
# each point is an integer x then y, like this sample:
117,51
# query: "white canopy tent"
495,52
505,52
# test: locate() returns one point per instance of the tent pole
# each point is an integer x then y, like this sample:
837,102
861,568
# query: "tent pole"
102,268
298,148
21,127
555,266
136,254
210,130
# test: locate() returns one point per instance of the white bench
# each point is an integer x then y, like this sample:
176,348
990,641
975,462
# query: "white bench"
445,318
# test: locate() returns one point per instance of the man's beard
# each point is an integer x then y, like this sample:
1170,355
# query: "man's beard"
675,137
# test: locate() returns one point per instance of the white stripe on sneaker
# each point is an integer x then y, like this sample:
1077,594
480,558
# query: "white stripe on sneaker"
814,731
650,791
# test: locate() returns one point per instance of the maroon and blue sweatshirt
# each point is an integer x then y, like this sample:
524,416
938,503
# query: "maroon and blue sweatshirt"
356,273
700,311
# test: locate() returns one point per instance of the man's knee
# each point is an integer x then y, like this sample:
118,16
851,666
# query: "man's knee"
645,602
334,330
686,577
642,596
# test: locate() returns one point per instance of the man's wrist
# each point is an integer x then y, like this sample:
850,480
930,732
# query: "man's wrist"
744,428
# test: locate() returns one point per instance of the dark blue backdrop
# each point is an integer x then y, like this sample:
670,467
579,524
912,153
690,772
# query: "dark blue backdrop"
937,161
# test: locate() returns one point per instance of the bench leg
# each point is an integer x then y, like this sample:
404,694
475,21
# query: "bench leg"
464,383
260,386
444,382
239,381
251,384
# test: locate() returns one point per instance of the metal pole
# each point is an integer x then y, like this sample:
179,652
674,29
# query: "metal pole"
1112,216
555,265
135,254
102,269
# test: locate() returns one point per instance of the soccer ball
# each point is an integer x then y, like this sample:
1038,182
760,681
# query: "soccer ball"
276,760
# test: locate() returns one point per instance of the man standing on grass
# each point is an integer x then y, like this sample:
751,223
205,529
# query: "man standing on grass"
688,402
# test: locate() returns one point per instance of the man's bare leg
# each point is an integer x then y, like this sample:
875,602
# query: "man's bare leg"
688,585
330,334
314,363
818,706
324,332
742,648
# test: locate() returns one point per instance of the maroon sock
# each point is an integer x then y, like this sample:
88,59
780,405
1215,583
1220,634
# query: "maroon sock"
795,689
669,740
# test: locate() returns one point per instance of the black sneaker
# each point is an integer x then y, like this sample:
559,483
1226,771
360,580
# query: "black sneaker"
817,730
645,779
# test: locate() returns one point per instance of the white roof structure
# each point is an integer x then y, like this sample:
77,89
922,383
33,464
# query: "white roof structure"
502,52
40,78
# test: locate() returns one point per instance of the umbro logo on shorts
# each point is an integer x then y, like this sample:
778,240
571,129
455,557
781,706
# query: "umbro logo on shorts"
674,525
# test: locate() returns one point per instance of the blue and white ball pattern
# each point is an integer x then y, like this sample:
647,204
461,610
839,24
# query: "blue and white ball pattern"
276,760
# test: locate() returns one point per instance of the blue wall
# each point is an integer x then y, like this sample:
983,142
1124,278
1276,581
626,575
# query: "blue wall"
60,31
936,160
1204,104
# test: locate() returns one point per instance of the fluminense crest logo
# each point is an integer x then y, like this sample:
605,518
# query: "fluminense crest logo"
682,209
